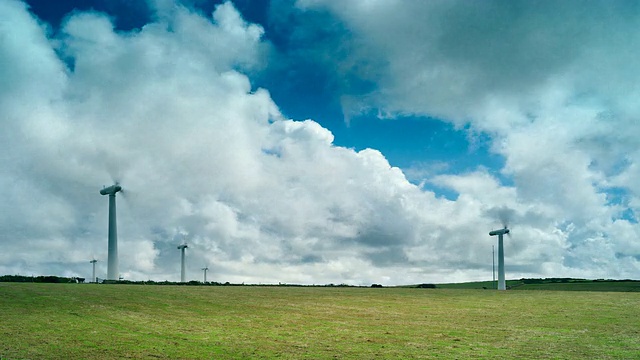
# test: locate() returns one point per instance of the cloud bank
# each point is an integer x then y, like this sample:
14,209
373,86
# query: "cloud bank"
169,111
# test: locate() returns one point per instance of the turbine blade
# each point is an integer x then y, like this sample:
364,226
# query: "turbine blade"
503,213
115,168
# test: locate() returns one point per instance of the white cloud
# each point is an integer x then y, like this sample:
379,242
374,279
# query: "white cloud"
170,113
552,85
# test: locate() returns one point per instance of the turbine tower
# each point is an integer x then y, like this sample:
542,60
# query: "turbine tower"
112,260
205,273
93,275
493,265
501,281
182,271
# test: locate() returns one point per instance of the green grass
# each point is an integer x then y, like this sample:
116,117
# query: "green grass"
73,321
619,286
550,284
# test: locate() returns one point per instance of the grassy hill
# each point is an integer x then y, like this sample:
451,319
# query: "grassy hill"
115,321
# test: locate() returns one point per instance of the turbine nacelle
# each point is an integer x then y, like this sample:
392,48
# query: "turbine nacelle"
499,232
183,246
111,190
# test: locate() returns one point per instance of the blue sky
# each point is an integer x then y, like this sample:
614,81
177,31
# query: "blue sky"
316,141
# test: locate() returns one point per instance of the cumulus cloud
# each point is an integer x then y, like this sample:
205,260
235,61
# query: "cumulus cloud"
169,111
553,86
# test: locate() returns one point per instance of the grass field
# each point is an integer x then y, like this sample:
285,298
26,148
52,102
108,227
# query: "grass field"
89,321
569,285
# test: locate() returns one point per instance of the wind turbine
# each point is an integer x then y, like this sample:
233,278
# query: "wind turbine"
501,281
112,260
93,275
182,270
205,273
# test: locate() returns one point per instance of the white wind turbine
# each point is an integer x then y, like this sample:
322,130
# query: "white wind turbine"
205,269
182,266
93,274
501,279
112,257
504,213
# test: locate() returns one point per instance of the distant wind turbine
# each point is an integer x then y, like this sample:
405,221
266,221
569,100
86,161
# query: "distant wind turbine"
205,273
93,274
